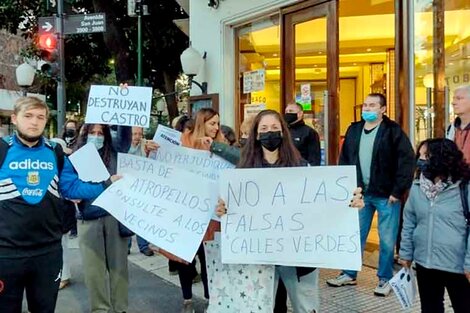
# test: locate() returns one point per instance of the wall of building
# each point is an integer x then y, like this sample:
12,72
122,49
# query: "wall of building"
212,31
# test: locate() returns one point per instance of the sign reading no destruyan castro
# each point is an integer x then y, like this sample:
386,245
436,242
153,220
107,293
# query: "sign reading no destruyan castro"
115,105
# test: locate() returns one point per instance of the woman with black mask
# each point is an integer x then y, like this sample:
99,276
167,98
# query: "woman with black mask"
69,135
435,233
270,145
70,132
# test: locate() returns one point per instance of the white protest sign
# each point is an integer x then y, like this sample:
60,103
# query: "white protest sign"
298,216
88,164
114,105
404,286
167,135
200,162
152,201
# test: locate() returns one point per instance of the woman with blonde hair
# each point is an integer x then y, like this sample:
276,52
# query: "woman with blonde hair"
206,129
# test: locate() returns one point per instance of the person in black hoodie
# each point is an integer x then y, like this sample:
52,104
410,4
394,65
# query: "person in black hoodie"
305,138
385,161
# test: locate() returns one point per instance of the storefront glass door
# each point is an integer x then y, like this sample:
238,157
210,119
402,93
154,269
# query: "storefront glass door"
310,70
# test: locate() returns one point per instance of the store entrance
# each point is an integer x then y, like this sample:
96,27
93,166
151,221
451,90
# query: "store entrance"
310,66
333,55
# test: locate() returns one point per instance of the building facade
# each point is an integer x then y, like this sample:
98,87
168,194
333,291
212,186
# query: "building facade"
328,55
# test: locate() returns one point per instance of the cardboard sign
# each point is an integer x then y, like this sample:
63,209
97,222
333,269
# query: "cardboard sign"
167,135
291,216
404,286
114,105
152,201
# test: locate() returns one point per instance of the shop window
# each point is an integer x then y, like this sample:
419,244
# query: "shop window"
367,58
366,65
259,73
457,59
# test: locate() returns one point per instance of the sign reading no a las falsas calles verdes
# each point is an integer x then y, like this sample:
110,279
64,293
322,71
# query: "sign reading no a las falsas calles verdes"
115,105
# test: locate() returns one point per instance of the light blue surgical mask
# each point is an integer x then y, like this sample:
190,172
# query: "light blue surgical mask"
370,116
98,141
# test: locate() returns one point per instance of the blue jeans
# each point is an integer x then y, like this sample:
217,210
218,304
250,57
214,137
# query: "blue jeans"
141,242
303,292
388,220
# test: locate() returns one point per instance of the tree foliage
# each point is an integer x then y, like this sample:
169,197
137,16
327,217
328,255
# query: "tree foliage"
91,58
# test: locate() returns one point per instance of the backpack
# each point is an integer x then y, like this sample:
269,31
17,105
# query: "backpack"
68,218
464,198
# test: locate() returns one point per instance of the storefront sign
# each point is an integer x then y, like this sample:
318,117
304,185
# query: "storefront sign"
291,216
305,98
151,201
254,81
115,105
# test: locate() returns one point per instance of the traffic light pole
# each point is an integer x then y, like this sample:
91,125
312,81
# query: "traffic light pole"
61,77
139,10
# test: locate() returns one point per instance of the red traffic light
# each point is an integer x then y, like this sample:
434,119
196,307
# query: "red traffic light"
47,42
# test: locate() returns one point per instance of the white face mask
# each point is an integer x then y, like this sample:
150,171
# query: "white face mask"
98,141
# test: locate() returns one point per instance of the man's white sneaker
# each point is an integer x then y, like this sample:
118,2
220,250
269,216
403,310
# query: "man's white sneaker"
341,280
383,289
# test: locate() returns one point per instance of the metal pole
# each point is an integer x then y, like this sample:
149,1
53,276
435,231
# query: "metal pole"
139,41
61,78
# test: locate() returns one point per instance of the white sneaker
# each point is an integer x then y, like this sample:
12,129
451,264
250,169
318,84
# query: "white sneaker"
383,289
341,280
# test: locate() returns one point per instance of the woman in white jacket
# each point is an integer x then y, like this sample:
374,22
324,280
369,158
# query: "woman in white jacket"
435,233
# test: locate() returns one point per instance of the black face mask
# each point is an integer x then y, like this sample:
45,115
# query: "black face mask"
243,141
70,132
290,118
270,140
422,165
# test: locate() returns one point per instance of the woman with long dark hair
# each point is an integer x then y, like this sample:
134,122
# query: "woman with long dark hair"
102,244
269,145
435,233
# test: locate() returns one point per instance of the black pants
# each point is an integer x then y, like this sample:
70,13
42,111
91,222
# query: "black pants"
187,273
39,275
431,285
280,305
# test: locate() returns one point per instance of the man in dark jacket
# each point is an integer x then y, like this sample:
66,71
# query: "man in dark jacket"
384,159
305,138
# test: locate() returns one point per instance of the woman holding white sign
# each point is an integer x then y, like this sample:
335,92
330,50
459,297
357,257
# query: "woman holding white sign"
103,247
269,145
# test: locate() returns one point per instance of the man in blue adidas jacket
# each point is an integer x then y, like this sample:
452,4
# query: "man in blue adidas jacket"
31,187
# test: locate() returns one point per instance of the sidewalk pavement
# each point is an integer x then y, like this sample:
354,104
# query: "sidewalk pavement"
348,299
153,290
